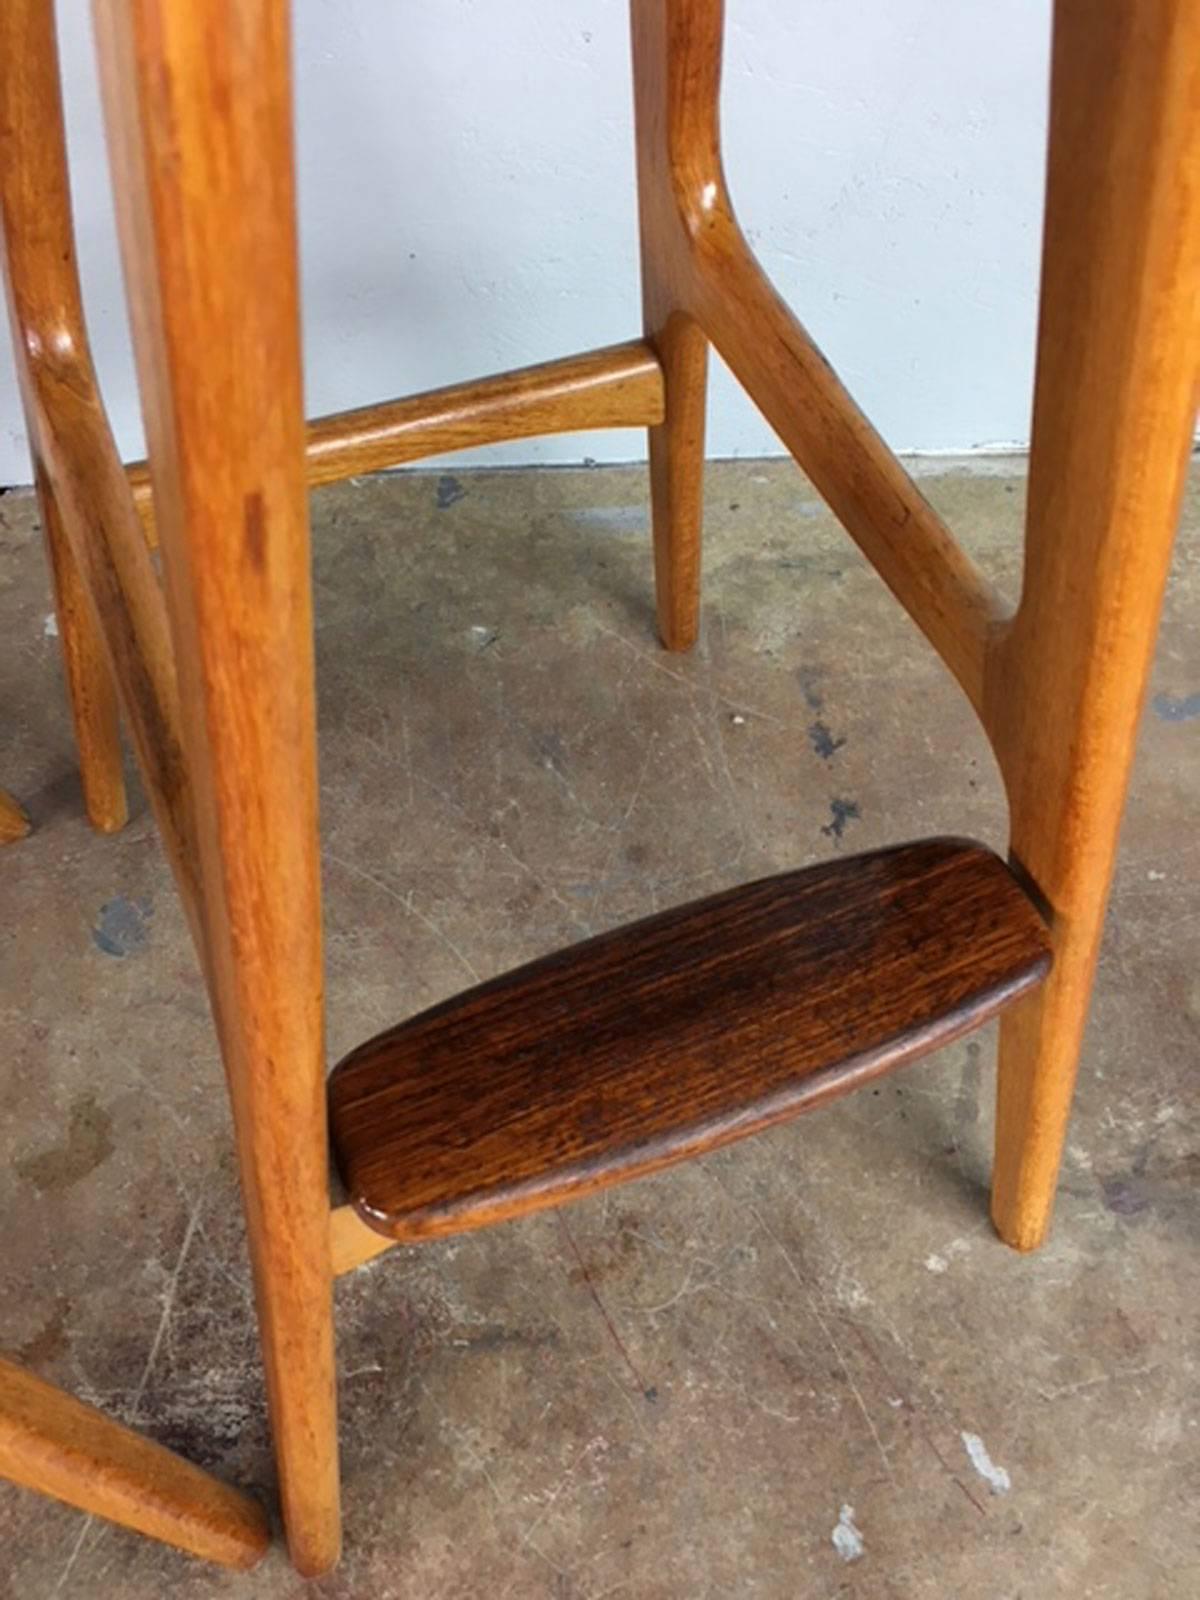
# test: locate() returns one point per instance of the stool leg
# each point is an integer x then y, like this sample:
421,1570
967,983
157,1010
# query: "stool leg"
1118,356
677,471
56,1445
198,103
677,443
46,321
90,690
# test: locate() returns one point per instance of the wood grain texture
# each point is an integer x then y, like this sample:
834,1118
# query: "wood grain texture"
677,1034
704,268
1058,685
101,561
620,386
676,449
1117,368
676,444
60,1447
117,573
14,824
199,117
91,689
46,322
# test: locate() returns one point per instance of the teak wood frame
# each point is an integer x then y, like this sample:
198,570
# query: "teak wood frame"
215,679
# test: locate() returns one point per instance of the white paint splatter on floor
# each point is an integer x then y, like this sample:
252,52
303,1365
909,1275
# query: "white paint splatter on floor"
938,1262
618,519
50,626
847,1540
996,1478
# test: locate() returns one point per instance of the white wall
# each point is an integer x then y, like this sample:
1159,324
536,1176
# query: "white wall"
467,204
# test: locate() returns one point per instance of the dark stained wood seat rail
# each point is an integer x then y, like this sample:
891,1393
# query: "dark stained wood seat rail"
677,1034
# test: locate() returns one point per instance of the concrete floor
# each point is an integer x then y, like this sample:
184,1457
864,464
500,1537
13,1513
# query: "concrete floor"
802,1367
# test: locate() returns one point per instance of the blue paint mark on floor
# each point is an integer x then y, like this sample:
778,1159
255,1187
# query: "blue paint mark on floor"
1176,708
449,492
122,927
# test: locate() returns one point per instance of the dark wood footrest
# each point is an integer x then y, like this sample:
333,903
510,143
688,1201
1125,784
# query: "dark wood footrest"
674,1035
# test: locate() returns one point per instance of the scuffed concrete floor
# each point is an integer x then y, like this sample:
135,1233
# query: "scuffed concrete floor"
802,1367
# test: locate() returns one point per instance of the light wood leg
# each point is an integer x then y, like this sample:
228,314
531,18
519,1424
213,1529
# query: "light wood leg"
60,1447
90,690
677,475
1118,357
111,615
46,322
198,106
677,443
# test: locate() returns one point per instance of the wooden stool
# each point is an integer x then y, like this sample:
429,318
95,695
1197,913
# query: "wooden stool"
654,1042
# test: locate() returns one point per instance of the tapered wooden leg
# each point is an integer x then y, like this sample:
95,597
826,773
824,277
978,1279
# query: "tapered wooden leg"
677,476
198,106
677,443
46,322
1118,357
90,690
60,1447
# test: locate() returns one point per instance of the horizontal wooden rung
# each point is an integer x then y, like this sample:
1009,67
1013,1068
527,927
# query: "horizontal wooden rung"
620,386
671,1036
